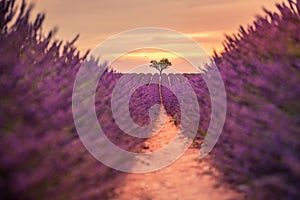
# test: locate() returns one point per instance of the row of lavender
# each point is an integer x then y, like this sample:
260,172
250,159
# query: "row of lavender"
41,156
145,90
172,105
136,105
260,146
144,98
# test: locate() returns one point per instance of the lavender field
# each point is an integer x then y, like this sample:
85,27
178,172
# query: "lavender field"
42,157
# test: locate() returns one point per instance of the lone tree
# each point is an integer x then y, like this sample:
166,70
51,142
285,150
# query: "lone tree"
161,65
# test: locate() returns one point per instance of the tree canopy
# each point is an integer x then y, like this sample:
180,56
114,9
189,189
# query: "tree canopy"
163,64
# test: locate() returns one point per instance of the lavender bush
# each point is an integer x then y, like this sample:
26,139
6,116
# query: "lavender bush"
143,99
203,96
169,100
171,103
40,154
260,145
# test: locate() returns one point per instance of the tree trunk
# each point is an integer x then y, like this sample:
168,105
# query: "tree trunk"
159,90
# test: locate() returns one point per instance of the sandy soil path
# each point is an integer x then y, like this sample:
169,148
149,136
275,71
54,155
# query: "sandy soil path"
185,179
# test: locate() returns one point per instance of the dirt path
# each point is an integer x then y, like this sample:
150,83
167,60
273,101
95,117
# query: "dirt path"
185,179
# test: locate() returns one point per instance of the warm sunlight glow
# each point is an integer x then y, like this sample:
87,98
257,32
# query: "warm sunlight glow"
150,55
134,59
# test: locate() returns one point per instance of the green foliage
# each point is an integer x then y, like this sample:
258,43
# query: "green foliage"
163,64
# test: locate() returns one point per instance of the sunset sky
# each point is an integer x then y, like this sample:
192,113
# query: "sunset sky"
206,21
